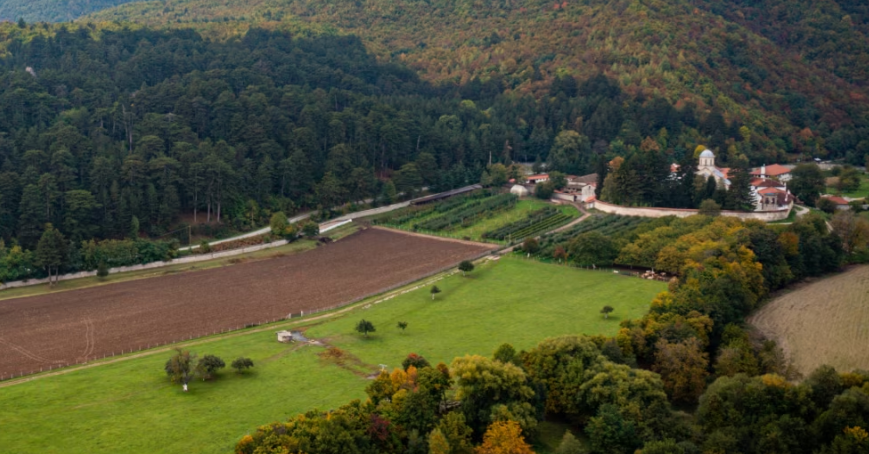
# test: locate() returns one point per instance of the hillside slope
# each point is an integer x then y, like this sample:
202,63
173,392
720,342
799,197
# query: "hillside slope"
740,62
52,10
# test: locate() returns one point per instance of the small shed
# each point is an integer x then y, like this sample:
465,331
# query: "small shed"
519,190
285,336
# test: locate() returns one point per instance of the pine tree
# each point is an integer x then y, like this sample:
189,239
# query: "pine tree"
739,193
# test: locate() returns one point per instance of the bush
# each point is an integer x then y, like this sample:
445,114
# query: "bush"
531,245
826,205
241,365
710,207
204,247
414,360
311,229
102,270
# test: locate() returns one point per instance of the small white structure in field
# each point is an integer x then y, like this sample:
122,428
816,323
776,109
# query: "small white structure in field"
519,190
285,336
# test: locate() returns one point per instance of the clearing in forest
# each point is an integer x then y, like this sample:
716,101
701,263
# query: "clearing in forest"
825,322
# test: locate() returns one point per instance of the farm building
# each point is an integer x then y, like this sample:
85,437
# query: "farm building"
285,336
578,189
539,178
841,203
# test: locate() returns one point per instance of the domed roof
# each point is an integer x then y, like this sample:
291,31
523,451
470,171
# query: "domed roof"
707,154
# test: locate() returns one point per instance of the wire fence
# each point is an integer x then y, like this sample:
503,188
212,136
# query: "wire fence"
55,365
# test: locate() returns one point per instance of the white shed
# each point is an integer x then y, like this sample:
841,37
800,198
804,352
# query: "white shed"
519,190
285,336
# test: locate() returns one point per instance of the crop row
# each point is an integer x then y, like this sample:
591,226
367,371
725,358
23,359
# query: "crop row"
468,214
407,215
535,222
609,225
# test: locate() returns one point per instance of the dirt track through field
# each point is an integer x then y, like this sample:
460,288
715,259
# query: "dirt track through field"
825,322
75,326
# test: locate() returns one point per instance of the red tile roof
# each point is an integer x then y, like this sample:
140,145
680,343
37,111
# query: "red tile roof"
837,200
767,183
541,176
773,170
725,171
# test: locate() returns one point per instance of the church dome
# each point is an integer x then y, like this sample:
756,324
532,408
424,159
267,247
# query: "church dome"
707,154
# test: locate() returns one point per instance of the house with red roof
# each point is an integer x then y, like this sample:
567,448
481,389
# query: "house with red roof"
841,202
777,171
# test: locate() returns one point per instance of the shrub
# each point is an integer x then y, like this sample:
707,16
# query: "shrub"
241,364
826,205
311,229
102,270
414,360
710,207
531,245
204,247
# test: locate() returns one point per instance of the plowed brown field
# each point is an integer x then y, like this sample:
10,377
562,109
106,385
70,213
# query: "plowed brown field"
80,325
825,322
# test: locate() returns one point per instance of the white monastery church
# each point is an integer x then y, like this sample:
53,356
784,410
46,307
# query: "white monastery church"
707,168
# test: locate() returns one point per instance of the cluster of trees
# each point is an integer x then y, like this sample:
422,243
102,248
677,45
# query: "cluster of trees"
183,367
646,178
494,405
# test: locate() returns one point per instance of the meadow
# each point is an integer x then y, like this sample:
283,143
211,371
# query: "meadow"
129,406
824,322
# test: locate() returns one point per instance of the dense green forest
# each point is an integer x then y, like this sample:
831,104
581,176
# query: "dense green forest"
796,78
103,129
52,10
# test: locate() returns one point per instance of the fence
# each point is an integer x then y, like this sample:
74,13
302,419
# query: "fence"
300,314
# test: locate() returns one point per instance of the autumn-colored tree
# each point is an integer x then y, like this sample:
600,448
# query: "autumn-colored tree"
682,367
852,230
504,437
491,391
437,443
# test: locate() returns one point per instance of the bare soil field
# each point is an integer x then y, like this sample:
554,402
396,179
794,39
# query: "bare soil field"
80,325
824,322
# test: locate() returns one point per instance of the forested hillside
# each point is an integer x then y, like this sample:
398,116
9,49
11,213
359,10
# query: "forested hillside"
52,10
795,77
107,129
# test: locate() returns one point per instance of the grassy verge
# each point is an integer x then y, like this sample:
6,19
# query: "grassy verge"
292,248
128,406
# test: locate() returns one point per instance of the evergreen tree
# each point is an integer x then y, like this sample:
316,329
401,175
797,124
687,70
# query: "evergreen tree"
739,195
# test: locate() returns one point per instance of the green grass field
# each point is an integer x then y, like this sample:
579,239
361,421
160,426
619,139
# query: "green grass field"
861,192
130,407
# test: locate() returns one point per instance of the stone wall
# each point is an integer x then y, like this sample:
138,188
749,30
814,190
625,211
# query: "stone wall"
767,216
